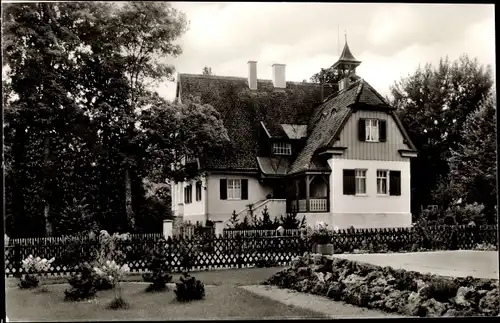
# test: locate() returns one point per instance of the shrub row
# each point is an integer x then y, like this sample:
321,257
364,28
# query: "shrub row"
404,292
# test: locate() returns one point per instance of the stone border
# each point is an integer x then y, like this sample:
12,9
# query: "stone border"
319,304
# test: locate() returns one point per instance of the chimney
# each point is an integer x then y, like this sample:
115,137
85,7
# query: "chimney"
344,83
252,75
279,80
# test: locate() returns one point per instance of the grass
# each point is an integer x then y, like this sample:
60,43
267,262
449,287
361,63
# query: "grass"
237,277
224,301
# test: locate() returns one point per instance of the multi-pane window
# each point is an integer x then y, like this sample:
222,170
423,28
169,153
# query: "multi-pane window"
188,194
372,132
198,191
233,189
282,148
360,180
382,180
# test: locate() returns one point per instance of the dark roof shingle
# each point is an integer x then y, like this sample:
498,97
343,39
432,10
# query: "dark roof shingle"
242,110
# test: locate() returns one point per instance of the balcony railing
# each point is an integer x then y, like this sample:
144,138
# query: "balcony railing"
315,205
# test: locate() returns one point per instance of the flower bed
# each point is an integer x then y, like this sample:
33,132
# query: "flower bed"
405,292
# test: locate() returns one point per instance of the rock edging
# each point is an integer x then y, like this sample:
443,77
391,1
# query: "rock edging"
393,290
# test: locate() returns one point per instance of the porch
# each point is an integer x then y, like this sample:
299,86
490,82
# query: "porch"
308,193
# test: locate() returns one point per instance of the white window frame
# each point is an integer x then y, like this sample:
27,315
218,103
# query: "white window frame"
382,175
234,189
372,130
282,148
359,176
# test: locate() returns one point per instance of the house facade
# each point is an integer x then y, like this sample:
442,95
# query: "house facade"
334,154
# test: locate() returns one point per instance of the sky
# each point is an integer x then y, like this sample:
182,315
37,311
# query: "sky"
391,40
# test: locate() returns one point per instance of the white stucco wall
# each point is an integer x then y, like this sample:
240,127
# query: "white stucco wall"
372,210
194,211
220,210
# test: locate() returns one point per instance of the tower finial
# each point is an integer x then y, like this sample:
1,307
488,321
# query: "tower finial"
345,34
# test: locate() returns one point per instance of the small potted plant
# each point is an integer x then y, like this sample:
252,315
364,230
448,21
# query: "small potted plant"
321,238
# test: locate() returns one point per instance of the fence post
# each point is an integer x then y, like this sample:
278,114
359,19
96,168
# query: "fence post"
17,260
167,228
219,228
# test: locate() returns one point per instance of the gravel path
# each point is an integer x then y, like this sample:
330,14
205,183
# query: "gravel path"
315,303
459,263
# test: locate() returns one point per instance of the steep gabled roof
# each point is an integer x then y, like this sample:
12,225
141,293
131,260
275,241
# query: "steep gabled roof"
242,111
330,117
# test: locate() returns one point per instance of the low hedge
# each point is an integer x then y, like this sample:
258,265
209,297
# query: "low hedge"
393,290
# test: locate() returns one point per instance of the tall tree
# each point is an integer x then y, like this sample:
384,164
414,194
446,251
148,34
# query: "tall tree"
145,32
172,131
36,44
330,76
434,104
473,162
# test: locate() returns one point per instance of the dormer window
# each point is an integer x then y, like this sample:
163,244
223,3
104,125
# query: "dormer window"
372,131
282,148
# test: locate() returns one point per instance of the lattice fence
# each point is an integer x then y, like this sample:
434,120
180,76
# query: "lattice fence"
201,253
460,237
237,250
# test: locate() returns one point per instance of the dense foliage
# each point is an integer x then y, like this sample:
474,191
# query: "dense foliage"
446,109
83,127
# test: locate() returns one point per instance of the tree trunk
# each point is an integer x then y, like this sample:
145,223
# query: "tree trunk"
46,208
128,200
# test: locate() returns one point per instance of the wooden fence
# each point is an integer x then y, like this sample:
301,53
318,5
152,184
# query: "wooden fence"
201,253
236,249
260,233
443,237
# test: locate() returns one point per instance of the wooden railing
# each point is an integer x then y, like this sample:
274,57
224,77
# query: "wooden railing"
315,205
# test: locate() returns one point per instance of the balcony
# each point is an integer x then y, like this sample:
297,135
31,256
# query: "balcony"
315,205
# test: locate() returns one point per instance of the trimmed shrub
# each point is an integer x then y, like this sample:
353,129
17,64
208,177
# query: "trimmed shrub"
29,281
82,285
158,265
189,289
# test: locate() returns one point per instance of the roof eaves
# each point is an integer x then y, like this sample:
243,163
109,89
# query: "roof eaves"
267,131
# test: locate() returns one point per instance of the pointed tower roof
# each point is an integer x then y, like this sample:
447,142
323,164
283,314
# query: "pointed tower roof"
346,58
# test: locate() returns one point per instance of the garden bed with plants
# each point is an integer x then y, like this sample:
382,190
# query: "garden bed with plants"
405,292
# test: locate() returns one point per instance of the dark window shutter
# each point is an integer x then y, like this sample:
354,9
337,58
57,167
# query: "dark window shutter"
223,189
244,189
395,182
382,130
349,182
362,129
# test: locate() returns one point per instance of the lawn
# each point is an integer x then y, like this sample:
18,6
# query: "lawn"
233,276
224,301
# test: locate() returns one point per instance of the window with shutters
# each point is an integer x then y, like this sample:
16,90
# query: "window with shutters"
198,191
395,183
188,194
382,182
282,148
360,181
233,189
372,130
